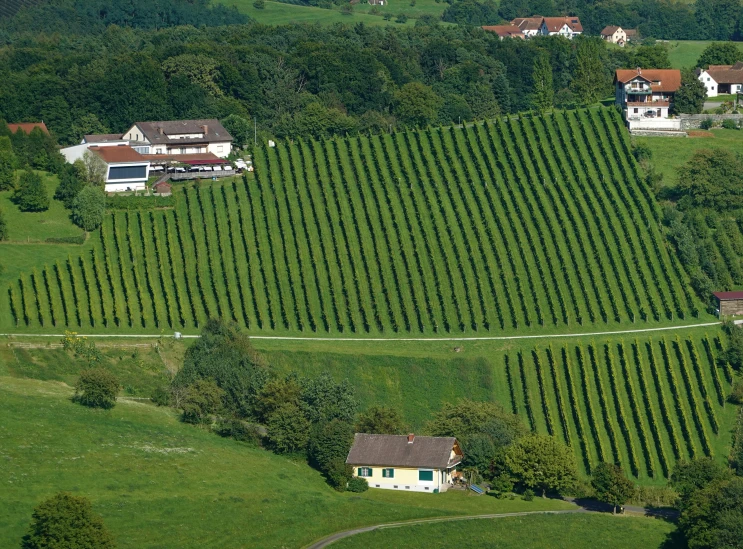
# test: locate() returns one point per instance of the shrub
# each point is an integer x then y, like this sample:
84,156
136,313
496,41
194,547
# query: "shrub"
31,194
402,18
528,495
239,430
706,124
736,393
88,208
3,227
259,4
161,396
97,388
203,399
288,430
729,124
65,520
357,485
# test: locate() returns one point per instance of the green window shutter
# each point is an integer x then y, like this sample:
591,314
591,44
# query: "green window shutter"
425,475
361,472
388,473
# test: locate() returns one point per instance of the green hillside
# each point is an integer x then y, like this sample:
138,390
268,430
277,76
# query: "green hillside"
517,225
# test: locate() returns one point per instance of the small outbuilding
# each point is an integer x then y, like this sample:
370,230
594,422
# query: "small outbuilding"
163,188
729,303
408,463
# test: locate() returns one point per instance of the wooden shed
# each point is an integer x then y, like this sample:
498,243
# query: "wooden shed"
729,303
163,188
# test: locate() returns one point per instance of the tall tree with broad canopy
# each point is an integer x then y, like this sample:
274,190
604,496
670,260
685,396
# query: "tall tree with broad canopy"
712,179
88,208
542,463
712,517
542,97
31,194
720,53
380,420
611,485
416,104
689,99
67,521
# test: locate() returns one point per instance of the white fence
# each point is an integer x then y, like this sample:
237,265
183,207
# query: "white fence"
657,124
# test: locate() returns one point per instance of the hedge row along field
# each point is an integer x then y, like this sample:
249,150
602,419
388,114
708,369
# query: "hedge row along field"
508,226
642,403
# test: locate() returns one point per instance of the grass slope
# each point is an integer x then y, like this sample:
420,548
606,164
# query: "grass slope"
515,226
685,53
160,483
574,531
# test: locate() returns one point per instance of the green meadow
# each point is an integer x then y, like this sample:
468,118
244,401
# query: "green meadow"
160,483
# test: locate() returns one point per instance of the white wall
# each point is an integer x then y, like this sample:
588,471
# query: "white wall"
121,187
709,83
76,152
655,124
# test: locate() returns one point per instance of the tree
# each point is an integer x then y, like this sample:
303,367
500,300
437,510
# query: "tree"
288,430
239,128
274,394
380,420
92,169
203,399
468,417
712,179
69,185
733,354
720,53
689,99
3,227
8,163
31,194
88,208
328,449
611,485
542,93
96,388
541,462
589,82
66,521
225,355
323,399
690,476
712,517
416,104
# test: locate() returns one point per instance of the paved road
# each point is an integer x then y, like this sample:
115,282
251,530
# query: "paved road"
324,542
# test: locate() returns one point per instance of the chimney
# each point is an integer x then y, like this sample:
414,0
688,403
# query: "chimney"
206,129
411,438
639,70
160,130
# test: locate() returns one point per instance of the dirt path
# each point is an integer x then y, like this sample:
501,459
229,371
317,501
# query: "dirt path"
393,339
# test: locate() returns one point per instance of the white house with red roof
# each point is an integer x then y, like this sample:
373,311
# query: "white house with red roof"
569,26
646,93
126,169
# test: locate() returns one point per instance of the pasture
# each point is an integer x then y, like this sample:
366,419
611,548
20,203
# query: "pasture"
513,226
160,483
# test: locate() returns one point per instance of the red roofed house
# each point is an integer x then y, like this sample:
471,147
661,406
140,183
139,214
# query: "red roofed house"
563,26
729,303
27,127
722,78
529,26
126,169
505,31
646,93
615,35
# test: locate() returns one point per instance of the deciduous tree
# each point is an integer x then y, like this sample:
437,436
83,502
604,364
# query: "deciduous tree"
542,95
288,430
689,99
88,208
31,194
611,485
541,462
380,420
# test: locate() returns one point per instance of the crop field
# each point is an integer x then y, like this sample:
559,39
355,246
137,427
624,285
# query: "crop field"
511,226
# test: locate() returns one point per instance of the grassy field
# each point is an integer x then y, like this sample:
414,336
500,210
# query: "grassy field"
670,154
515,226
643,402
160,483
684,53
574,531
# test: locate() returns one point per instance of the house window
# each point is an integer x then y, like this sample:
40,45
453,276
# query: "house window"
712,88
425,476
636,110
220,148
388,473
183,150
365,471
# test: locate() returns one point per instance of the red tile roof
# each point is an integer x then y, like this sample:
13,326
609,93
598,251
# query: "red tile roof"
725,74
528,23
27,127
669,79
505,31
728,296
117,154
554,24
610,30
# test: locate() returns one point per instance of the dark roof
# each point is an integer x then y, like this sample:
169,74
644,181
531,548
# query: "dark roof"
122,153
630,32
528,23
396,451
102,137
728,296
158,132
726,74
27,127
670,79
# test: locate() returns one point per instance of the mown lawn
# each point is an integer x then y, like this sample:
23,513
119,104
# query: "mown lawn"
531,532
671,153
160,483
684,53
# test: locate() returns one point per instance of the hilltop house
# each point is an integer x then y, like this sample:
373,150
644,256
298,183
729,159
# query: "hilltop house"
721,79
548,26
181,137
505,31
529,26
646,93
126,169
615,35
399,462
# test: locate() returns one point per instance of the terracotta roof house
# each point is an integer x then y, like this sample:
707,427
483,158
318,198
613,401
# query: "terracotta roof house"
568,27
646,93
126,169
722,79
182,137
615,35
27,127
505,31
408,463
529,26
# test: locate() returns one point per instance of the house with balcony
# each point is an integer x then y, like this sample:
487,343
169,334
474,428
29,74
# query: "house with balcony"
646,94
181,137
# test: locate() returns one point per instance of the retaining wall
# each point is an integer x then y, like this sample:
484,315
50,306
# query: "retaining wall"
694,121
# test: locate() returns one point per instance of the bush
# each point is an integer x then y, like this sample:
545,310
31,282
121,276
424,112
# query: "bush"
79,239
736,393
132,202
161,396
239,430
203,399
65,520
357,485
528,495
97,388
729,124
31,194
259,4
3,227
88,208
706,124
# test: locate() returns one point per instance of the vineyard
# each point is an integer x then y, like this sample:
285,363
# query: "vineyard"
513,225
644,404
